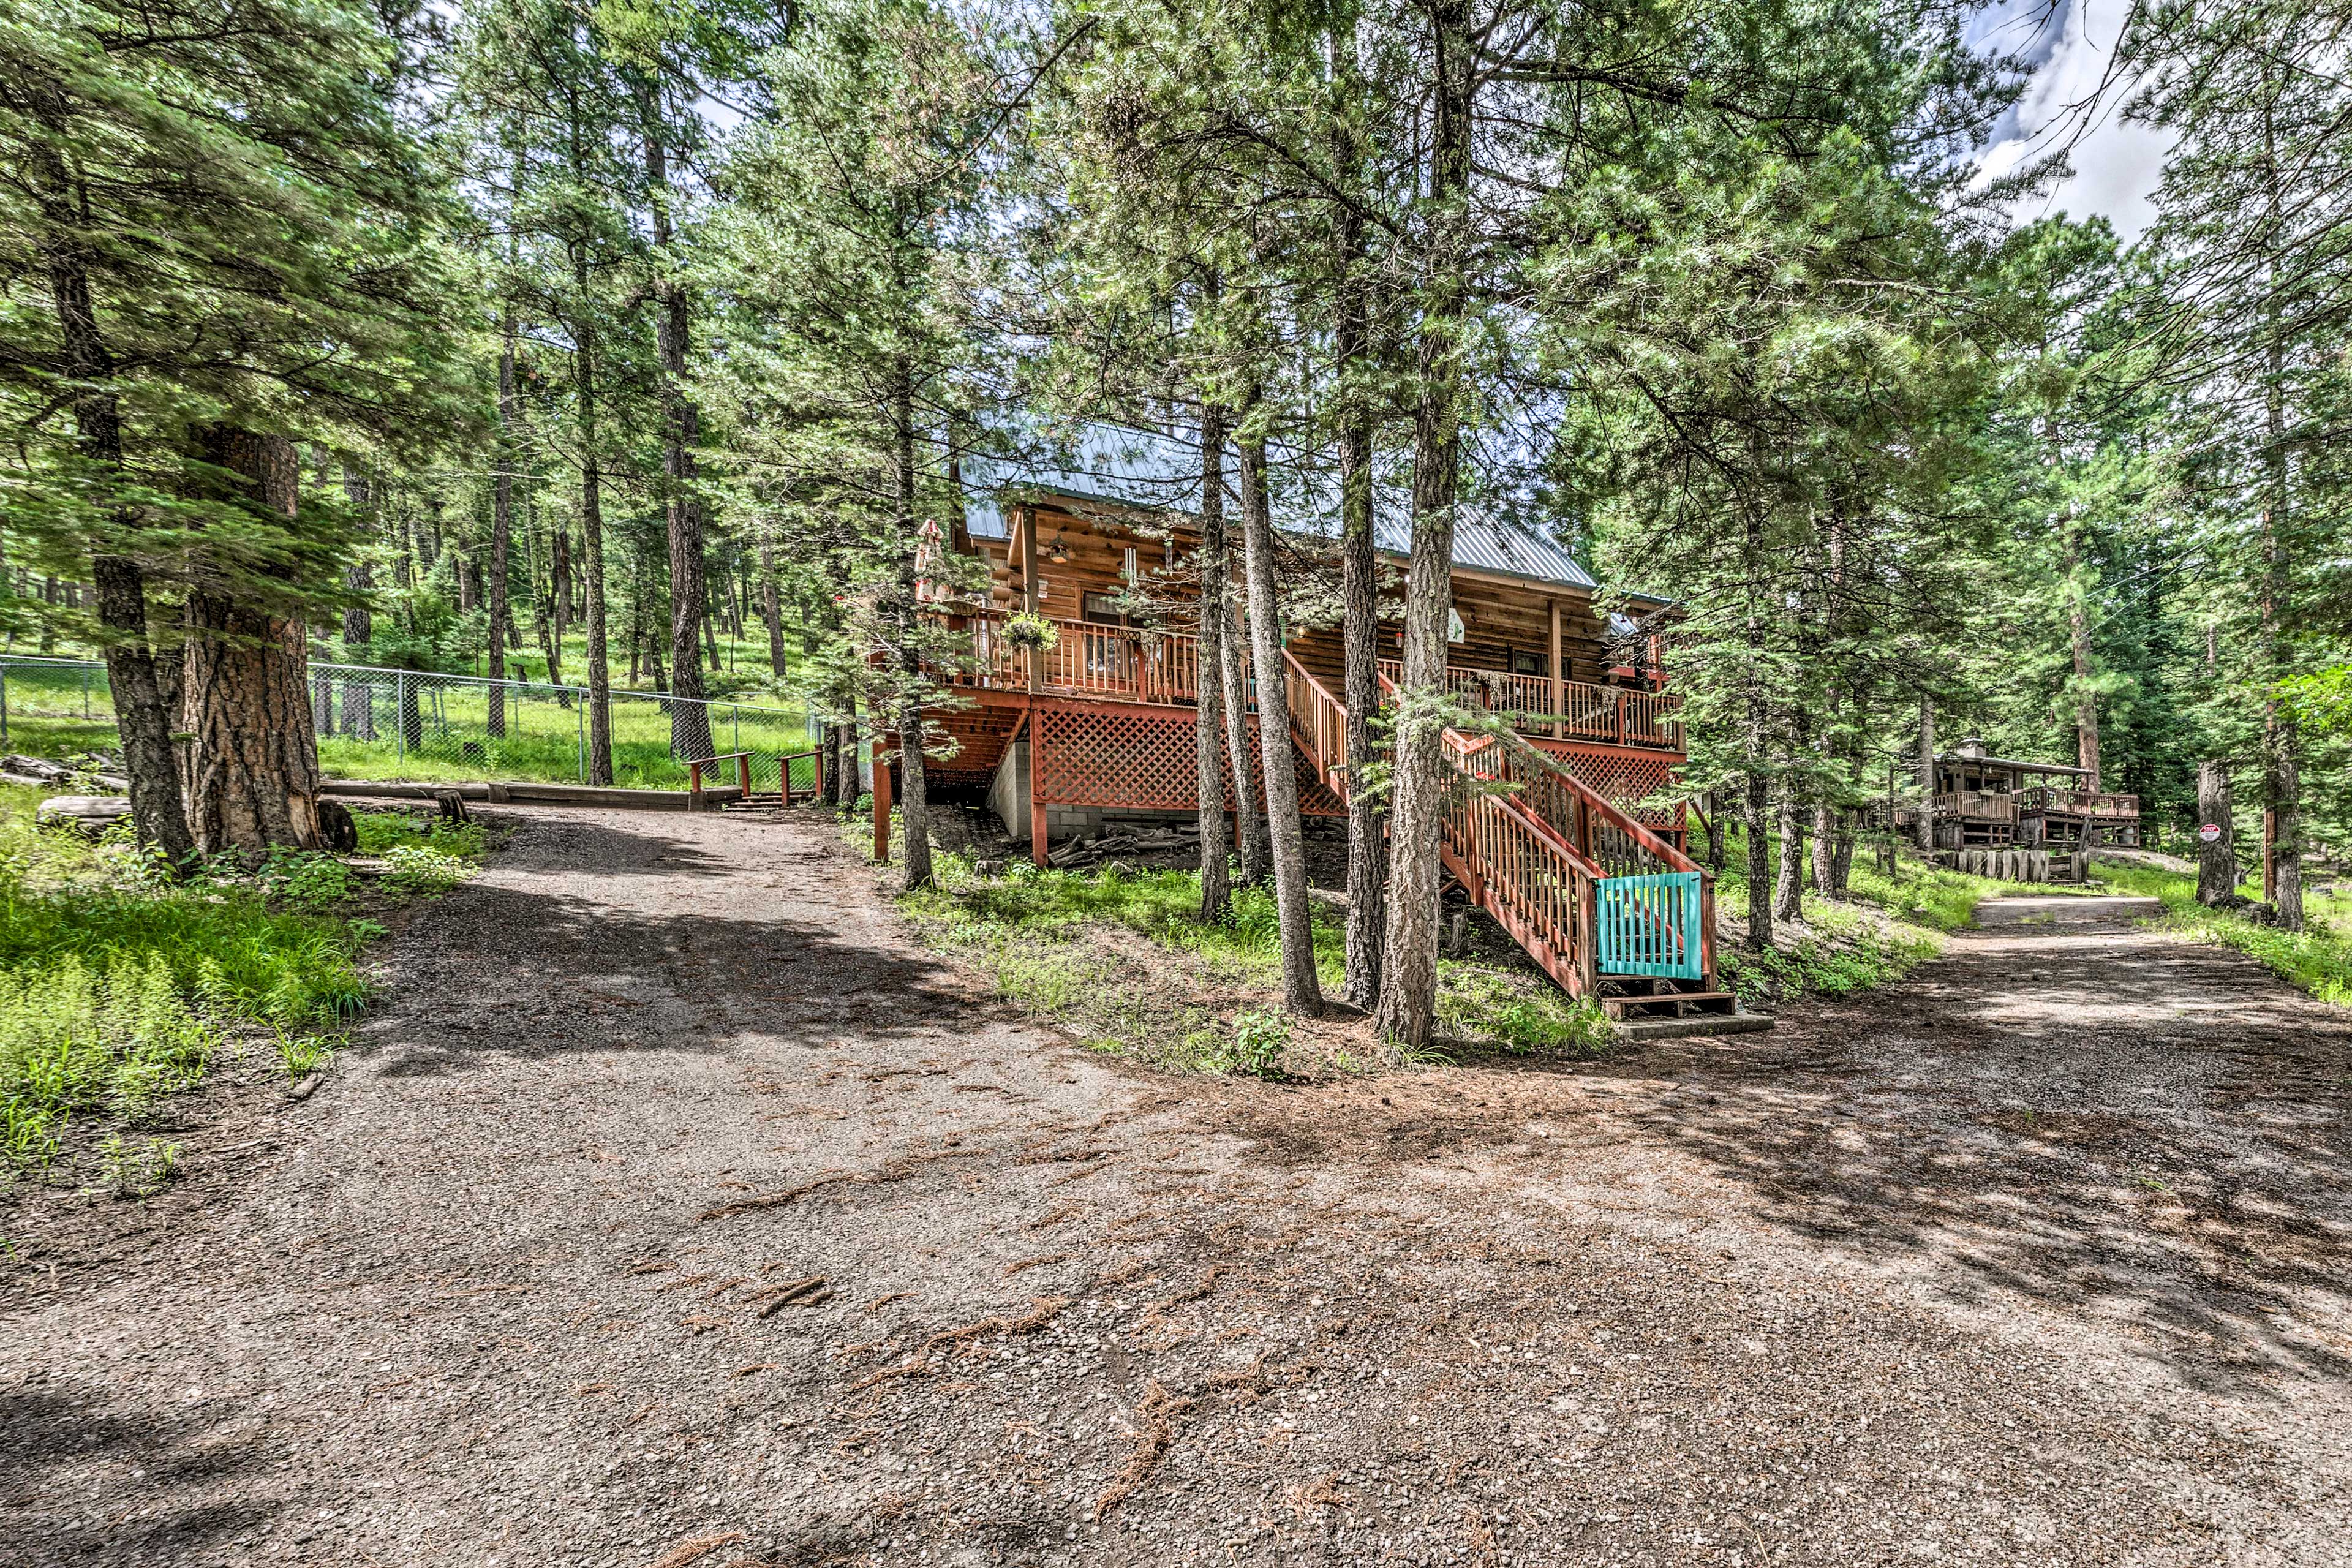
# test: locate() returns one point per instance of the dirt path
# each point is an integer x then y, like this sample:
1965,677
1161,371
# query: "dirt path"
1978,1273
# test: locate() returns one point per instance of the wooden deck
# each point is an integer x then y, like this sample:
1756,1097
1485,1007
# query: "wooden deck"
1125,664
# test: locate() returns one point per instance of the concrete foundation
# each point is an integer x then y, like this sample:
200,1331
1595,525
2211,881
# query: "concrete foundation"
1008,802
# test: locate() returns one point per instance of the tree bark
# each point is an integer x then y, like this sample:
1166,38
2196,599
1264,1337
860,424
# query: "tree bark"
359,620
2217,863
1208,675
913,799
1926,774
1360,585
1367,823
772,609
501,528
1216,566
1789,887
245,687
1302,992
150,762
690,721
1409,965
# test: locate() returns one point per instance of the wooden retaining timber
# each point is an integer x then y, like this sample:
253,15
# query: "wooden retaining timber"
498,793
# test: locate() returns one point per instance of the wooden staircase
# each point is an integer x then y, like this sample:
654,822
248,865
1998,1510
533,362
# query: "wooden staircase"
1606,906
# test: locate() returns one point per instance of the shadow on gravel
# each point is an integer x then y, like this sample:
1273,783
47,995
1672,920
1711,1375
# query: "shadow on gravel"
52,1447
601,978
550,845
2155,1132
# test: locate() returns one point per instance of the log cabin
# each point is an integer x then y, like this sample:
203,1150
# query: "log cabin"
1984,803
1582,858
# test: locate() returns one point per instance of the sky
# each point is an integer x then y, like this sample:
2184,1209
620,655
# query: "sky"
2115,165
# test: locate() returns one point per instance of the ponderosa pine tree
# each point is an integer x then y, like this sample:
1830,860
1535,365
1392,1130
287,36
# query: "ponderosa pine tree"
228,222
2255,222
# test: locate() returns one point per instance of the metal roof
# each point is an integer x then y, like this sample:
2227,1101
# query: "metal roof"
1126,467
2008,763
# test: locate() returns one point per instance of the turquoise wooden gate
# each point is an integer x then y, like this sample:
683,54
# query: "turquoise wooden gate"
1649,925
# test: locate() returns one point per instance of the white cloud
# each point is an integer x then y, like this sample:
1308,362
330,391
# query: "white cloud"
2115,165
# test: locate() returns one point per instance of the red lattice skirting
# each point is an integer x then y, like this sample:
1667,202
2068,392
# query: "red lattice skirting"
1140,758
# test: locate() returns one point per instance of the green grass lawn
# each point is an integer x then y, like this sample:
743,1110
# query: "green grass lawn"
118,988
449,739
1194,995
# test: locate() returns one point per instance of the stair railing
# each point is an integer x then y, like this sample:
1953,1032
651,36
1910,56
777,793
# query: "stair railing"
1320,719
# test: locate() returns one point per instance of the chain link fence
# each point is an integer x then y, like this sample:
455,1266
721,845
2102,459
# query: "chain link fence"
378,724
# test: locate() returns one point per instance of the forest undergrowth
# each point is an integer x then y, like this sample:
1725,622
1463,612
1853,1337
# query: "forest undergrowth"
1121,961
121,988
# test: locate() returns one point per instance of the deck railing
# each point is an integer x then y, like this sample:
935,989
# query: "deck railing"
1616,715
2080,802
1140,666
1320,719
1977,804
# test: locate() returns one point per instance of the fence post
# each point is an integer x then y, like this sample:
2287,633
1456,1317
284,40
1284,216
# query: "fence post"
85,691
4,707
399,717
580,719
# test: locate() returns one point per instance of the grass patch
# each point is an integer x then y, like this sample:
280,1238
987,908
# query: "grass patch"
1889,925
1123,961
118,989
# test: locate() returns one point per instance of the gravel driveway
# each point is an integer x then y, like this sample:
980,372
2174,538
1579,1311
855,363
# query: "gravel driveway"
675,1208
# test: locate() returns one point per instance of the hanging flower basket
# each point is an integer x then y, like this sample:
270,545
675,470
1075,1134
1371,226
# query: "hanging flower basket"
1031,631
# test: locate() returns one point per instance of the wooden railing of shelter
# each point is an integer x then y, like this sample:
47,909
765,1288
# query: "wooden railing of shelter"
1616,715
2079,802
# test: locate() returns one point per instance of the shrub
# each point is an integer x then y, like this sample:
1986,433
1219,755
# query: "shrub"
1257,1042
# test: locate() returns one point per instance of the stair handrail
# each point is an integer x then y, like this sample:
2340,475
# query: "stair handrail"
1326,732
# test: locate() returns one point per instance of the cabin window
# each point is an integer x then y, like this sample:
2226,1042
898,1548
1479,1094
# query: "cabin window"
1525,661
1103,610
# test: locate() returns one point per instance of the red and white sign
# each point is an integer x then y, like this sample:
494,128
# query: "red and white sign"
2210,833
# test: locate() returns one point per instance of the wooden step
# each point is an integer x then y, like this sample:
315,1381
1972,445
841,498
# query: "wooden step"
1670,1004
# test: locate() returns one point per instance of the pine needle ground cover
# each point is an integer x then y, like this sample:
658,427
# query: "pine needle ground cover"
119,990
1121,961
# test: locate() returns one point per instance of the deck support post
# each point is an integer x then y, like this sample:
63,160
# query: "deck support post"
1559,682
1029,602
1037,846
881,807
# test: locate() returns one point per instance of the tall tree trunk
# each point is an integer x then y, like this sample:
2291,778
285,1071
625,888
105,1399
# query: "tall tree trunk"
150,762
1757,822
1252,850
558,573
1209,716
1789,887
1302,992
1926,774
914,801
1367,823
2078,631
256,783
1216,565
592,541
1409,966
771,609
1359,580
2282,783
502,526
359,620
2217,863
690,721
